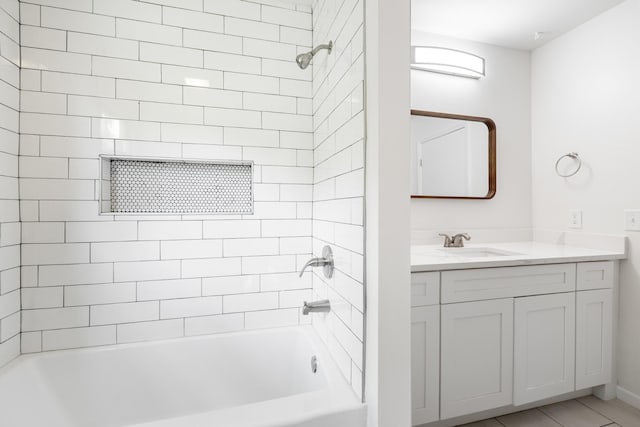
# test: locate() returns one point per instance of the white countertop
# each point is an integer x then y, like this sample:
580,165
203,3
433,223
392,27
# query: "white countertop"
436,258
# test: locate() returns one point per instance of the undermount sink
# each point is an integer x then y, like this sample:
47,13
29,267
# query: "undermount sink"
478,252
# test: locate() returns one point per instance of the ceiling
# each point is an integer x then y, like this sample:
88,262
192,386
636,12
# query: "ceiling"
508,23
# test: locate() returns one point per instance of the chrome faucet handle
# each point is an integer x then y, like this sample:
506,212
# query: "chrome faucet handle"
313,262
326,262
457,240
447,240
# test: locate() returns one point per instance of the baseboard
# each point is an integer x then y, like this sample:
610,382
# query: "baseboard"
628,397
492,413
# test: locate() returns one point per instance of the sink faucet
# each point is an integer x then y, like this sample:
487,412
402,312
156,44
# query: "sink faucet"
322,306
326,261
455,241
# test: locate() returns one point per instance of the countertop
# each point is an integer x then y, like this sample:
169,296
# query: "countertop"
437,258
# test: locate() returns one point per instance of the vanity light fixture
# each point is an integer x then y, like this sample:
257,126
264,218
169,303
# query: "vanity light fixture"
447,61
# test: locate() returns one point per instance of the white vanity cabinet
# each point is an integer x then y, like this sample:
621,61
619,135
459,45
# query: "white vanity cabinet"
485,338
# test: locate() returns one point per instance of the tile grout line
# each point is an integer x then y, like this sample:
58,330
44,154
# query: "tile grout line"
595,410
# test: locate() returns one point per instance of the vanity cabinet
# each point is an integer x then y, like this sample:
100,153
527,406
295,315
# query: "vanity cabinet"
486,338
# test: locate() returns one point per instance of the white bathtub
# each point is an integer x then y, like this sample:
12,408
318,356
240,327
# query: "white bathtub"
256,378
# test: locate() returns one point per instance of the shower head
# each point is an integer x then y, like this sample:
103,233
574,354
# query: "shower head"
304,59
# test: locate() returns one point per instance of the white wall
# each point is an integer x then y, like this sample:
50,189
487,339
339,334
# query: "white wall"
388,345
9,206
504,96
338,190
169,78
585,98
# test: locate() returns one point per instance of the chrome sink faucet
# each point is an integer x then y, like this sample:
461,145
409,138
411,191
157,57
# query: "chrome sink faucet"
455,241
326,262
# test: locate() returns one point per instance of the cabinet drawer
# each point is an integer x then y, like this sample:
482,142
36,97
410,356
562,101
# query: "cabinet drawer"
504,282
595,275
425,289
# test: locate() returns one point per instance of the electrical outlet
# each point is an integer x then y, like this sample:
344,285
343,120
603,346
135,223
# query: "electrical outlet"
575,218
632,220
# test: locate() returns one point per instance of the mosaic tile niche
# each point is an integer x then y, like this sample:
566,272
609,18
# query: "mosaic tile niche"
153,186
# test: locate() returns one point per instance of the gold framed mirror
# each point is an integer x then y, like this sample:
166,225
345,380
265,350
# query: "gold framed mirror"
452,156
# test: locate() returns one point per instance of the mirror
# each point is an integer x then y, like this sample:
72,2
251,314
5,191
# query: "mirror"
452,156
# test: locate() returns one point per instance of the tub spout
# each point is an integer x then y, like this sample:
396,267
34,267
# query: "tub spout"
326,262
322,306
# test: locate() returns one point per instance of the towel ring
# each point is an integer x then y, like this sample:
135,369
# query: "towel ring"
573,156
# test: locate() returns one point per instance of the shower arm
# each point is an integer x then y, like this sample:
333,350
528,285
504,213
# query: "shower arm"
328,46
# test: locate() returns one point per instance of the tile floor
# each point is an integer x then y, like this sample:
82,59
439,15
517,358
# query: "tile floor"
584,412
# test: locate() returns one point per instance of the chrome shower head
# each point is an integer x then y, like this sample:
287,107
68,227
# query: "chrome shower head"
304,59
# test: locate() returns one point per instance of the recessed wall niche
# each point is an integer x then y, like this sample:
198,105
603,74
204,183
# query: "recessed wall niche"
171,186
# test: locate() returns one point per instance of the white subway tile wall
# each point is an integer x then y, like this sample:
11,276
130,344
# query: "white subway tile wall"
198,79
9,203
338,191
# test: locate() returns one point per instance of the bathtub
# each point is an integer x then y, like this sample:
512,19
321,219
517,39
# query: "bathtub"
255,378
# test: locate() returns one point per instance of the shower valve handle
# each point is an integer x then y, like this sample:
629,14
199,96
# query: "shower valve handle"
326,262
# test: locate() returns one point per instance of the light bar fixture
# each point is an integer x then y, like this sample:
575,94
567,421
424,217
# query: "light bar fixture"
447,61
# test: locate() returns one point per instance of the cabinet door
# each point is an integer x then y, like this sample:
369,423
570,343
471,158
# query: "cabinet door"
425,364
477,356
544,347
594,333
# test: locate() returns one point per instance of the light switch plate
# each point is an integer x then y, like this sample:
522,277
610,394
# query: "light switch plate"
575,218
632,220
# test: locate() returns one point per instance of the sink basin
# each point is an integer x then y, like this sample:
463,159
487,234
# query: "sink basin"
477,252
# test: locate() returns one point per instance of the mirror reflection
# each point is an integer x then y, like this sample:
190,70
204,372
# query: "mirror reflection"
452,156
